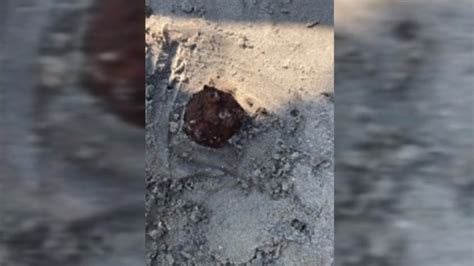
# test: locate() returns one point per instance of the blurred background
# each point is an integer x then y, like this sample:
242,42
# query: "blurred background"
404,182
72,137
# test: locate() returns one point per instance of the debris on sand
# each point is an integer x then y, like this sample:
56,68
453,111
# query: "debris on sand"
212,117
312,24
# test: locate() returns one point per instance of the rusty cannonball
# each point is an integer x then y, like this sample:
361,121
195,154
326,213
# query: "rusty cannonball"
212,117
114,58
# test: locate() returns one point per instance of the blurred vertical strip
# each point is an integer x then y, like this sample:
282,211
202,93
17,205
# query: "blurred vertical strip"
2,126
71,163
3,167
404,133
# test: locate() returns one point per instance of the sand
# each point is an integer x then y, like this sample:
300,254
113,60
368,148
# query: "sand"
266,197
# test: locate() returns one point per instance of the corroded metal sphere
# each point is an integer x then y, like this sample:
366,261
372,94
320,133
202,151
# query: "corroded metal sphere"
212,117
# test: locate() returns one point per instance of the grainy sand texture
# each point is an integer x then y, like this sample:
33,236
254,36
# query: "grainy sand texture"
266,197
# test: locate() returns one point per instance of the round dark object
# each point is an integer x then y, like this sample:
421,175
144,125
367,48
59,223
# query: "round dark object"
212,117
114,66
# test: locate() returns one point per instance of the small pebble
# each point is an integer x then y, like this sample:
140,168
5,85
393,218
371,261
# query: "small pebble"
174,127
257,173
276,156
312,24
154,233
295,155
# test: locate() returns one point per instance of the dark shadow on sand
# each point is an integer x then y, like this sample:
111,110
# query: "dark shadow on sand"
307,12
